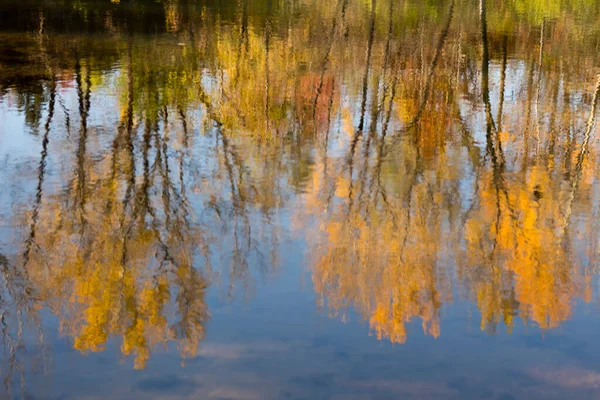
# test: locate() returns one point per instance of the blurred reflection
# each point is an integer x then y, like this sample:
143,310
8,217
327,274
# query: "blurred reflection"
425,152
484,201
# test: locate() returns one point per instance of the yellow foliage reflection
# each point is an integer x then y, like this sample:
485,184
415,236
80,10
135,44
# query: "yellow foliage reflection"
426,152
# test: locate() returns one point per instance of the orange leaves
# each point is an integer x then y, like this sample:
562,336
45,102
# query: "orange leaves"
515,232
382,262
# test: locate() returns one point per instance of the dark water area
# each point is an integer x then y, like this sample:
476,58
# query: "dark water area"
291,199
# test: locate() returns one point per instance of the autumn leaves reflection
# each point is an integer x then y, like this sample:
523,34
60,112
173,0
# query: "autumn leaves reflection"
460,208
109,252
414,177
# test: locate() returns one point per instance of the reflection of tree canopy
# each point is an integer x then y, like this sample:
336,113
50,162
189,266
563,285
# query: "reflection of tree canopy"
493,199
441,150
109,251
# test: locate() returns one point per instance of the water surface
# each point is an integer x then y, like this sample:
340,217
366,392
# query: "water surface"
290,199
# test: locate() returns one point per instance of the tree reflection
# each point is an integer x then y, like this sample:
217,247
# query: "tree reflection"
396,228
428,152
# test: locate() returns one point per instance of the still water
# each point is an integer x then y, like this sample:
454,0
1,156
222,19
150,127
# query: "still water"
294,199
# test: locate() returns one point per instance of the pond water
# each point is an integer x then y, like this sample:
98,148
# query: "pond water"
294,199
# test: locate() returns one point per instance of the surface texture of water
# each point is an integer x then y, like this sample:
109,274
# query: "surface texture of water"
293,199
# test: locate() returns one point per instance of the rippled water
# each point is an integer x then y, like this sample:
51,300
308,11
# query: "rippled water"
290,199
